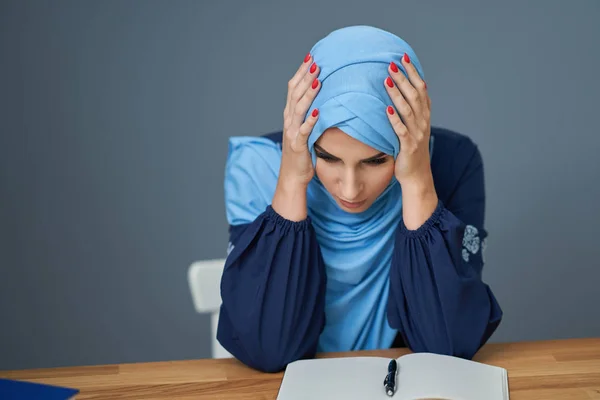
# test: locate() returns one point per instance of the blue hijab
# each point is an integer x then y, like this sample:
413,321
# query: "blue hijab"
357,248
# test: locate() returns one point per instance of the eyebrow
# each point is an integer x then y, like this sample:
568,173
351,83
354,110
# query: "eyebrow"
325,152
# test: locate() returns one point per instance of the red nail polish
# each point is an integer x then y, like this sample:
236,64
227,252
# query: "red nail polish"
394,67
389,82
315,112
307,57
390,110
313,68
406,58
315,83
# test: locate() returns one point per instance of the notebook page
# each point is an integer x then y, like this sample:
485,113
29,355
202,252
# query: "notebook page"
352,378
426,375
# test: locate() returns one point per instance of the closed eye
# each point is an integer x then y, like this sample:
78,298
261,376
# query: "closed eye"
326,157
376,161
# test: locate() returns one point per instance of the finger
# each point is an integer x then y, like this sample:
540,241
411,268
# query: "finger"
406,112
305,129
413,75
410,93
406,141
292,83
309,87
415,79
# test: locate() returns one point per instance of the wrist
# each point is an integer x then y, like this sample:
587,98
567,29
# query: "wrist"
291,186
420,180
418,188
289,200
419,201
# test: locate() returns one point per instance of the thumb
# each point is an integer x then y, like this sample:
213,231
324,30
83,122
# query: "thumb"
305,130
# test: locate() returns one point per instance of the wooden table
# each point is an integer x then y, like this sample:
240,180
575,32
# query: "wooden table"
560,369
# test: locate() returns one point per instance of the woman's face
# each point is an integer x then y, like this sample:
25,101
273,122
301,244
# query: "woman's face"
354,173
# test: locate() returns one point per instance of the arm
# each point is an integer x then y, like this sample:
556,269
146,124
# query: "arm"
437,297
273,291
273,284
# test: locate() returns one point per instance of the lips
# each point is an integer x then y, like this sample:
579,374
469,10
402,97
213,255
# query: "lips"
351,205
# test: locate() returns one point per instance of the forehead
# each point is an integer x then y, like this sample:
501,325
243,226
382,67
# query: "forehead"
338,143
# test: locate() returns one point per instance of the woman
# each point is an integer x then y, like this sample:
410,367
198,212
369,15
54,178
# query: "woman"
359,226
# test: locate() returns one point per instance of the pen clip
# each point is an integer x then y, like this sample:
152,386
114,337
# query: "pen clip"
390,378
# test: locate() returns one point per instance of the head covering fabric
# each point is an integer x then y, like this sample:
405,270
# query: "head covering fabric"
354,64
356,248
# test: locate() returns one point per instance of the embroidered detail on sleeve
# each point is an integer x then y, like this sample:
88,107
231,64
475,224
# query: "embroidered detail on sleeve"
470,242
230,247
465,255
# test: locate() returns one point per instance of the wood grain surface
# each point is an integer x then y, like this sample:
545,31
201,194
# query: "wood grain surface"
549,370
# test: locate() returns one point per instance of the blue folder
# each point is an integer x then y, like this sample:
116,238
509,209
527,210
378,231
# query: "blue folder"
20,390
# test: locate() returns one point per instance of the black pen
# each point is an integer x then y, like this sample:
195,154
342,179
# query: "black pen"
390,379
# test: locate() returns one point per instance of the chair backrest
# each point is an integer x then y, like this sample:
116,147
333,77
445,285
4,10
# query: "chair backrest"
204,279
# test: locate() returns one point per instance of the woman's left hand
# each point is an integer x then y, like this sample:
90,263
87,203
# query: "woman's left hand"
412,126
413,105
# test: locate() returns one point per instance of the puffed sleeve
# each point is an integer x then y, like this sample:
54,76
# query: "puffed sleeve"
438,300
273,285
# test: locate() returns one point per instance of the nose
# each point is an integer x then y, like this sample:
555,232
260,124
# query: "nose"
350,185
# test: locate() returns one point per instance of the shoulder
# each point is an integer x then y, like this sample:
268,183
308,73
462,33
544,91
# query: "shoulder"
252,157
246,151
447,141
250,151
251,173
454,156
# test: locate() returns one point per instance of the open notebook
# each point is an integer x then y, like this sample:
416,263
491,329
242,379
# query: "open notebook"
419,376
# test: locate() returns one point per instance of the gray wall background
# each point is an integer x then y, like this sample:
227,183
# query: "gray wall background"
114,124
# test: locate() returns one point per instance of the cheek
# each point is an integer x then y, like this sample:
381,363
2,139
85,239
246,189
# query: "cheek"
326,173
380,178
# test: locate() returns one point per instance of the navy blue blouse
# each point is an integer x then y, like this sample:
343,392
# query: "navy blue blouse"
273,303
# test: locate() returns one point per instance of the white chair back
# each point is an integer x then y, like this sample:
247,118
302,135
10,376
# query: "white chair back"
204,279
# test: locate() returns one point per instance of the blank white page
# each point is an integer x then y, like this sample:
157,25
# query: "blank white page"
433,376
352,378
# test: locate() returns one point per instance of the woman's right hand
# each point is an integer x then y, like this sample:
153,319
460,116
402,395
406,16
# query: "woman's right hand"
297,169
296,163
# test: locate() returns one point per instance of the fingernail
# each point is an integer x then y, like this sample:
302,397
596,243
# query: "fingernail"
307,57
406,58
313,68
390,110
315,112
315,83
393,66
425,83
389,82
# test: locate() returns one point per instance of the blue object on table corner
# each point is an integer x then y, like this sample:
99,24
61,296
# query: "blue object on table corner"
21,390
